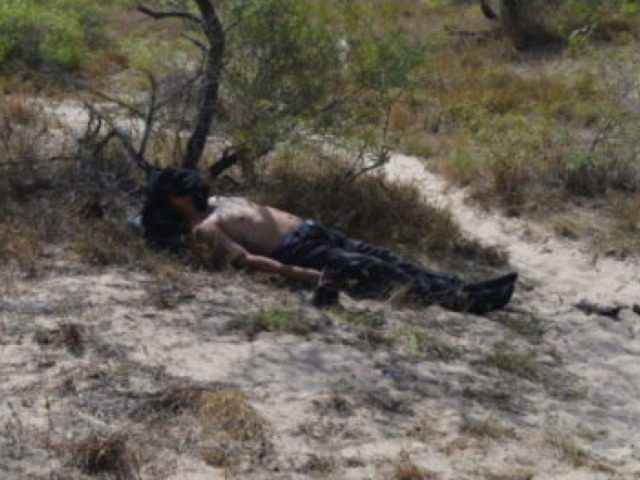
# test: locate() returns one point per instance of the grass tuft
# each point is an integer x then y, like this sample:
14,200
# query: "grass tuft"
104,454
518,363
406,469
485,428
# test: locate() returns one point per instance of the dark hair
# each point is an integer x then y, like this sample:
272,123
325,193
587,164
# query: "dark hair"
163,226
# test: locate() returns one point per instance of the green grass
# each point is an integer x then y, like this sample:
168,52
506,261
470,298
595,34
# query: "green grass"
421,343
275,321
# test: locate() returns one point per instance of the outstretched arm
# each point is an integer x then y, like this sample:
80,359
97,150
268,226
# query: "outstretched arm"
222,249
266,264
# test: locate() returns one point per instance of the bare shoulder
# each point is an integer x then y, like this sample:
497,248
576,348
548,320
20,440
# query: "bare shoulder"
220,201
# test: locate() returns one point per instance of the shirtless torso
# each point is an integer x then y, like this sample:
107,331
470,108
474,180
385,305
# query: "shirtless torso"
238,231
258,228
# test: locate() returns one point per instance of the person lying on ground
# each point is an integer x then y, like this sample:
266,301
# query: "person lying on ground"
239,232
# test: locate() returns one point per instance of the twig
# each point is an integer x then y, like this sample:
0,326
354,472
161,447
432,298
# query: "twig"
151,112
601,134
125,139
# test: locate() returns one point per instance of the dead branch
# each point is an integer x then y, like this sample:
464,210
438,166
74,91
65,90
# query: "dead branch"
602,134
364,163
158,15
151,112
125,139
230,157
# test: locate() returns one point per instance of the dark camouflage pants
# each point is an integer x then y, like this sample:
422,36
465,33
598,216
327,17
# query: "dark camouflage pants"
360,269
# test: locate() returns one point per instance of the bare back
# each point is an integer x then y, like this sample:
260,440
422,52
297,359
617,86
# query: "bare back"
258,228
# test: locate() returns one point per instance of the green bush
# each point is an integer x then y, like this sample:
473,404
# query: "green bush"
297,65
45,33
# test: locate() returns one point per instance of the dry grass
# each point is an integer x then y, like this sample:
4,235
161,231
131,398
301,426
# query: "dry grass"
515,474
528,130
105,454
488,427
570,451
228,414
405,469
522,364
567,227
71,336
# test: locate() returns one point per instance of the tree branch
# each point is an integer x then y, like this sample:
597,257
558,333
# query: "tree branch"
125,139
158,15
151,112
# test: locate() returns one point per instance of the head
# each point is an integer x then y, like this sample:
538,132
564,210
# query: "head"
172,195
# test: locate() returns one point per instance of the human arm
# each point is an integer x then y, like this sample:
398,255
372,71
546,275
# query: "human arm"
219,248
266,264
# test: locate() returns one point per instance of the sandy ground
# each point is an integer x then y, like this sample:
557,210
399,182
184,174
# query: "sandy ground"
368,391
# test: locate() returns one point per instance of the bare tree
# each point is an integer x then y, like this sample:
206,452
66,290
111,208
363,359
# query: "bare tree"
211,26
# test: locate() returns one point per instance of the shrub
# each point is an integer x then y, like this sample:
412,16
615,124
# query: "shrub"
370,207
49,33
303,65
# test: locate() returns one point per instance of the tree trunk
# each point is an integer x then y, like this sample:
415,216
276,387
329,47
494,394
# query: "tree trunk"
209,95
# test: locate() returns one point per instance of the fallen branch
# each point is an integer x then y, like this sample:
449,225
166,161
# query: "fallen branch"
591,308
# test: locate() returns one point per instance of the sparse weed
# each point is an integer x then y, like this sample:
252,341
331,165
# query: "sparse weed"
101,453
567,227
528,325
519,363
318,465
515,474
418,342
488,427
570,451
275,321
